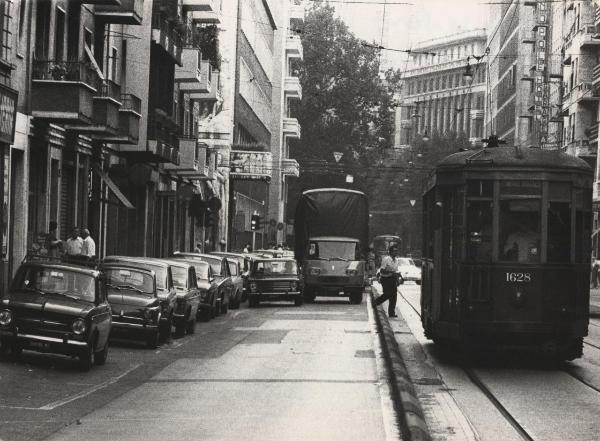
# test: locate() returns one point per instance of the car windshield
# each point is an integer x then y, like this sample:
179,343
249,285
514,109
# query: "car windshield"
382,245
63,282
129,278
275,268
215,264
332,250
405,261
180,275
201,270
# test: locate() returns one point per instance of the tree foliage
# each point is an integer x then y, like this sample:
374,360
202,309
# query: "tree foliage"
345,106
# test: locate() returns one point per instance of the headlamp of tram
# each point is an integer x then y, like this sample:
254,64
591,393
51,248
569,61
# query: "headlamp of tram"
519,298
5,317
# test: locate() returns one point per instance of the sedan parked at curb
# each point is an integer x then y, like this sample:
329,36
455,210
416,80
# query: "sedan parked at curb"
57,308
209,290
274,279
136,310
166,292
222,276
238,267
409,272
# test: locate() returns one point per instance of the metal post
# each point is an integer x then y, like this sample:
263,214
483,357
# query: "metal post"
253,240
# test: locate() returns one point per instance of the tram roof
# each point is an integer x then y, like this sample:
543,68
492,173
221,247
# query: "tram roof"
512,157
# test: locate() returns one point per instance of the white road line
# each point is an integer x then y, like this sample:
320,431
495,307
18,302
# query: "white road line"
54,404
392,432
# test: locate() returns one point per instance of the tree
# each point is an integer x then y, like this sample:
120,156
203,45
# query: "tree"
345,107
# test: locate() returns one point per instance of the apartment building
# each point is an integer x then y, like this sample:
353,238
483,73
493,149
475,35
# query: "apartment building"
263,122
436,95
102,104
525,74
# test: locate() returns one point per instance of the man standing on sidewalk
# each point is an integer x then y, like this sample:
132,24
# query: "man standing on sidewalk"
389,280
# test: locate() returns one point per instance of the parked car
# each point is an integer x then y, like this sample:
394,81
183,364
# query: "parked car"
209,289
221,273
57,308
166,292
274,279
408,270
188,295
238,267
133,297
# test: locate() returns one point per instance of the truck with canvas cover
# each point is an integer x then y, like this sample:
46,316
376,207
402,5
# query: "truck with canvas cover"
331,229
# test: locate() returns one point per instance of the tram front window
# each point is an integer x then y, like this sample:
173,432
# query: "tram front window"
520,230
479,241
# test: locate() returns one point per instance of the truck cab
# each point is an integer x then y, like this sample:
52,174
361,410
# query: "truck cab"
334,266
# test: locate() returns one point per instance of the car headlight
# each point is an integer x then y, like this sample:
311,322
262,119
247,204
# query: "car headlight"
78,326
315,271
294,286
5,317
253,286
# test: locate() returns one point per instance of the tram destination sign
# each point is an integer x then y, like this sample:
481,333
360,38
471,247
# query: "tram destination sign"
8,113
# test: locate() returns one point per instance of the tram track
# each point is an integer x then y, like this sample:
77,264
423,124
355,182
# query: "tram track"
476,380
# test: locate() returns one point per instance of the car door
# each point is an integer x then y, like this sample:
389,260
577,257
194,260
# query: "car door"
194,291
103,317
227,282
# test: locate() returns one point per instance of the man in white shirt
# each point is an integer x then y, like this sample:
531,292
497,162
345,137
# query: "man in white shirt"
88,248
74,244
389,281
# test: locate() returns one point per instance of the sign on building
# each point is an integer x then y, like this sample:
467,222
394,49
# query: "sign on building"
251,165
8,112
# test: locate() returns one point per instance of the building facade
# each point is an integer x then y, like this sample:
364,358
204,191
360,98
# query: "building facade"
436,95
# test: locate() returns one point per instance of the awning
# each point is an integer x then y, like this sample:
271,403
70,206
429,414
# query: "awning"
114,188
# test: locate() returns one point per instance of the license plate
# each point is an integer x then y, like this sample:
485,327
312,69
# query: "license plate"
39,346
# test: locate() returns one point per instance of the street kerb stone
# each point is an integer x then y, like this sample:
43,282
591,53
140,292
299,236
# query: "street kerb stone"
411,419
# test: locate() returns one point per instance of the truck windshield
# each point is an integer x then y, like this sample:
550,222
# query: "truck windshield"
332,250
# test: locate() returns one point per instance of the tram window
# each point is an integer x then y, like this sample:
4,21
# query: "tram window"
559,191
520,230
480,188
479,230
521,188
559,231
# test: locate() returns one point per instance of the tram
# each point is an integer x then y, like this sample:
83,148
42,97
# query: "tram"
506,250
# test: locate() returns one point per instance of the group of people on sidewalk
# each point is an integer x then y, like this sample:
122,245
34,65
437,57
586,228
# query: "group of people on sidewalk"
78,246
389,279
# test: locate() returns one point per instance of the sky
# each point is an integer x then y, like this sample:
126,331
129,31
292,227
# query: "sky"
409,24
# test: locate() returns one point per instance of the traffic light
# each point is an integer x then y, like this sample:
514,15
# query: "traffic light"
255,222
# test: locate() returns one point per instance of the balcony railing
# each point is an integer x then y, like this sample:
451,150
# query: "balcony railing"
592,132
110,89
74,71
597,15
596,74
167,36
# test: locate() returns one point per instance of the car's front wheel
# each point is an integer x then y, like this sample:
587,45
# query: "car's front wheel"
298,301
165,328
356,297
86,359
253,302
100,357
224,306
152,340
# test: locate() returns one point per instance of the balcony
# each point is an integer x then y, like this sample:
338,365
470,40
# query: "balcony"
192,162
582,149
596,75
293,47
210,82
64,91
292,87
162,144
195,74
592,133
165,35
291,128
290,167
203,11
129,12
584,92
130,114
201,5
105,119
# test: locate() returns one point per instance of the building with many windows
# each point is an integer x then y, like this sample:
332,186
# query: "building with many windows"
436,95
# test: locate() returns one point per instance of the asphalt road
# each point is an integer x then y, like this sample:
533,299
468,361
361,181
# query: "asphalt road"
278,372
520,394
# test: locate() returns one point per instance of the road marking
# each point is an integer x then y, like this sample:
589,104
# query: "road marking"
259,380
310,313
55,404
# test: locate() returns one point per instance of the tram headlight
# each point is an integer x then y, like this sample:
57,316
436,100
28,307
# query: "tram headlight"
315,271
519,298
5,317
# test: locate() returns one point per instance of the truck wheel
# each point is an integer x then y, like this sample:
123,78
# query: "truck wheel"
298,301
356,297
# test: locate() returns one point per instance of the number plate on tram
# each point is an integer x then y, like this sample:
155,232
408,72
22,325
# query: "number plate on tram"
518,277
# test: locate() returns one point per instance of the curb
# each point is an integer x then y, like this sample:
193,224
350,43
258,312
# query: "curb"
411,419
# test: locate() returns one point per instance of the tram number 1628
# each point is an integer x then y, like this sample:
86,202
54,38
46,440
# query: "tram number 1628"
518,277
